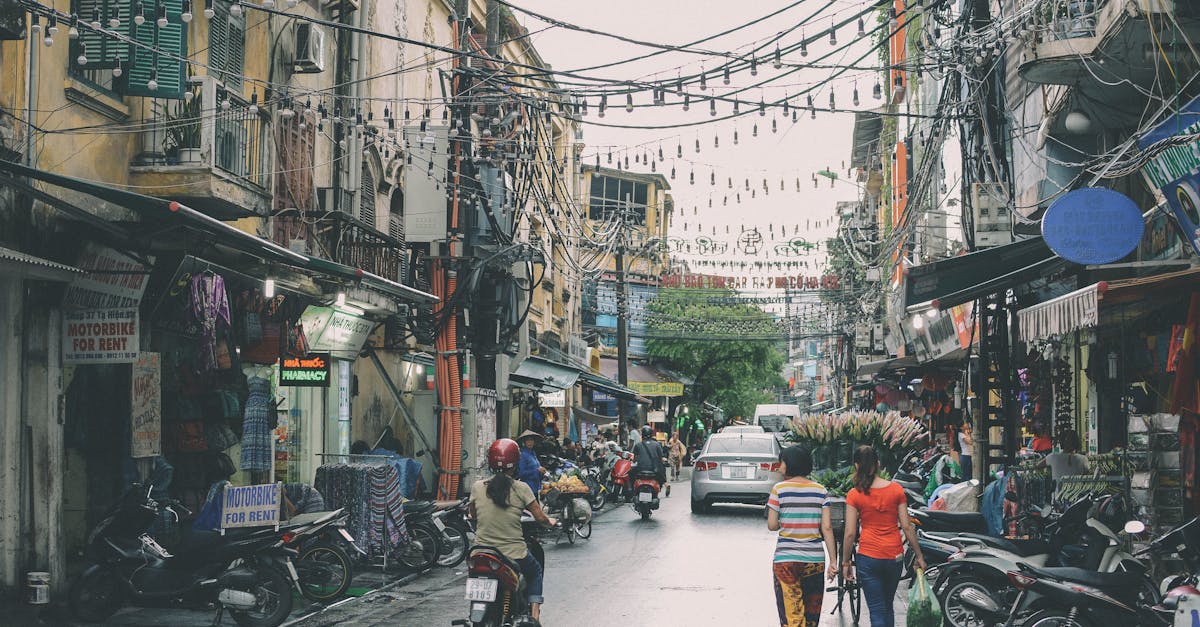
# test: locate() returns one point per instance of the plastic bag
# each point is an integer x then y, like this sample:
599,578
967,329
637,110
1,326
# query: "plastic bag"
923,608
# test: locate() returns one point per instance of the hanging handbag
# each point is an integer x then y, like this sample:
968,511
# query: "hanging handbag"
219,436
267,350
188,437
297,343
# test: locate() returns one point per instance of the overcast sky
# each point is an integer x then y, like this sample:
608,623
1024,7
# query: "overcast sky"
796,151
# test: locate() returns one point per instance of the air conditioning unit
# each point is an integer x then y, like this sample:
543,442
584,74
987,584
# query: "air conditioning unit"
310,49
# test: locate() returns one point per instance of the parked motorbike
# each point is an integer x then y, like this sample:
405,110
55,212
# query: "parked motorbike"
425,536
1180,606
1077,597
621,483
645,491
597,492
324,566
974,589
457,531
496,586
250,573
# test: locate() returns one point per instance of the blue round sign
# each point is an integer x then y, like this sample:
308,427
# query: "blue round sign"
1093,225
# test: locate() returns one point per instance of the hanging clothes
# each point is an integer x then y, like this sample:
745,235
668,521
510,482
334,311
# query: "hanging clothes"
210,307
257,451
371,495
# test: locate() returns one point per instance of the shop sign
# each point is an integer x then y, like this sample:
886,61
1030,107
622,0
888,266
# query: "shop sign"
553,399
333,331
146,406
111,280
251,505
1093,225
312,370
100,336
601,397
1176,169
657,388
656,416
1159,241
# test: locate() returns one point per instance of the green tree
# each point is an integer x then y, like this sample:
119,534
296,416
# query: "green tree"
732,351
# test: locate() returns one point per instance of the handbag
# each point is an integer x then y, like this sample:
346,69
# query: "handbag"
219,436
188,437
297,343
267,350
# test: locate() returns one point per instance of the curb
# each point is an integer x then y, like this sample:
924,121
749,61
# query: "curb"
405,580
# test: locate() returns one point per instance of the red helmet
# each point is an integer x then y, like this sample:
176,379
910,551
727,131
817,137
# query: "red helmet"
503,454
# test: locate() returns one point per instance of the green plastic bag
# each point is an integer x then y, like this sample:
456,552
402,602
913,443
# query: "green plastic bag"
923,608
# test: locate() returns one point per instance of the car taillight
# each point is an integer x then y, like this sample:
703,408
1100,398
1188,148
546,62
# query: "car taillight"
770,467
705,466
1020,580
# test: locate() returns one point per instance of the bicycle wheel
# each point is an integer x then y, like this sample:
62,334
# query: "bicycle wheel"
855,594
584,530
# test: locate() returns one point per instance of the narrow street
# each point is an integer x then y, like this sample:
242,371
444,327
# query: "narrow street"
674,569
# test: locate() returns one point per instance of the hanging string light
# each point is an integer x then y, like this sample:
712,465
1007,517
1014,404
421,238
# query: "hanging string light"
725,75
703,80
855,98
712,107
803,44
862,27
629,102
832,33
753,66
778,57
600,111
877,91
762,107
687,102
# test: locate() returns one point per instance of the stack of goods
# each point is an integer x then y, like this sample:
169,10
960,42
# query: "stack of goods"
370,493
566,484
1157,483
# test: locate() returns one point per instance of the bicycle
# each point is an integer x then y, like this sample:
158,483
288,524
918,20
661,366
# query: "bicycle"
847,591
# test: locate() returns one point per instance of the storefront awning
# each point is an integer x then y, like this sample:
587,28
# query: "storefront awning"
17,263
582,414
162,210
1070,312
612,388
872,368
957,280
544,375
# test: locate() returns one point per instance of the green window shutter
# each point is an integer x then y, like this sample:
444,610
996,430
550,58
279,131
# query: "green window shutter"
236,60
161,50
103,51
226,45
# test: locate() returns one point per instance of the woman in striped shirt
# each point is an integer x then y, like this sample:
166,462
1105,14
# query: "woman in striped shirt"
799,510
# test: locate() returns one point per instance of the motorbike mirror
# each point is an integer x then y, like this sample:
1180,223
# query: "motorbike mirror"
1135,527
1047,511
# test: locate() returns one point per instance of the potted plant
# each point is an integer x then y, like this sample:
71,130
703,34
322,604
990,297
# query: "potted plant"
183,131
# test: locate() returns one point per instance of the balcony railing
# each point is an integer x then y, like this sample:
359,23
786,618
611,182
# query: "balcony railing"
212,128
339,237
1057,20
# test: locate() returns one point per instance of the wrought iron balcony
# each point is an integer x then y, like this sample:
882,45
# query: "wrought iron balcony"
338,236
210,150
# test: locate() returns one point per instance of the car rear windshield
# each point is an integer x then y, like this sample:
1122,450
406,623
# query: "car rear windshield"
773,422
739,445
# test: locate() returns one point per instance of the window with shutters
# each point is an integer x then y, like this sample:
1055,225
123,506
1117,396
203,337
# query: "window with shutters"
366,205
227,45
295,140
101,24
156,60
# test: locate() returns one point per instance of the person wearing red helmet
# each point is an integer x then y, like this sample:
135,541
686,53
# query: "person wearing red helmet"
496,505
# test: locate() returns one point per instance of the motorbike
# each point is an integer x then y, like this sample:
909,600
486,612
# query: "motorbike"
973,586
496,586
1077,597
645,491
621,483
250,573
324,567
1180,606
597,492
456,528
425,535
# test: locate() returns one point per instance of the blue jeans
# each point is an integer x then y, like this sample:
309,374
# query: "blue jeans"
879,580
531,568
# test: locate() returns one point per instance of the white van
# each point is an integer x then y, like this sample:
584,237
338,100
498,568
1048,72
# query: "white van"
775,418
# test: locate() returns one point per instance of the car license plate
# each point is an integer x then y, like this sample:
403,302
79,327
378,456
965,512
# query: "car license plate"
346,535
479,589
735,472
645,497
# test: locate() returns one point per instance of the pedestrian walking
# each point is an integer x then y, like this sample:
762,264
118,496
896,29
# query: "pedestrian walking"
798,509
675,453
876,513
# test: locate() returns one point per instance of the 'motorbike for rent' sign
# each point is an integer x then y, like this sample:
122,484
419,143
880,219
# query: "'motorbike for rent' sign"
100,336
251,505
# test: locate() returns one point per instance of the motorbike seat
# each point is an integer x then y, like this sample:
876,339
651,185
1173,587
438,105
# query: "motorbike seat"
1108,582
419,507
646,474
916,486
1023,548
494,552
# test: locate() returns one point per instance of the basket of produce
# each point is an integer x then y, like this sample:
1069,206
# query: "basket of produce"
567,484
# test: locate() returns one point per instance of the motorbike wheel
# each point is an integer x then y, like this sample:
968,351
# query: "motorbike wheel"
95,596
423,548
455,545
597,499
325,572
273,592
645,512
1056,618
584,530
958,613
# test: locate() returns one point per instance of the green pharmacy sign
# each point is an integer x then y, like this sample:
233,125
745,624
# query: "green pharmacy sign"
312,370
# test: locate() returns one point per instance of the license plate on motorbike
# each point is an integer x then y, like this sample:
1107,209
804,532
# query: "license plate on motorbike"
645,497
346,535
479,589
735,472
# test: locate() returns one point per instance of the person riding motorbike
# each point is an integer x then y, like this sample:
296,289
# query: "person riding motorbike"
649,456
496,505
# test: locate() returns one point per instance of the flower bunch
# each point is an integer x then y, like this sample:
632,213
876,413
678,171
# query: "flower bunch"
885,430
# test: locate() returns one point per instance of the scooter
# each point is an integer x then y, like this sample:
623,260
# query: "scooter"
621,482
645,491
1180,606
973,587
324,566
250,573
1078,597
496,586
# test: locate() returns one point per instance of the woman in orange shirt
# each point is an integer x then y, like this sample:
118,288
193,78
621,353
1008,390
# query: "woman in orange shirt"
880,509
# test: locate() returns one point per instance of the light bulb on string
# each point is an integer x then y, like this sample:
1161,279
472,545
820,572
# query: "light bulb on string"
161,19
862,27
803,44
679,150
877,90
209,12
152,84
892,18
762,107
603,105
82,58
725,75
832,33
687,102
254,102
712,180
268,4
712,107
855,100
811,109
35,23
697,145
754,132
735,136
703,81
753,66
629,102
692,181
730,182
610,156
736,109
73,31
672,172
774,125
235,9
186,15
716,141
660,151
626,162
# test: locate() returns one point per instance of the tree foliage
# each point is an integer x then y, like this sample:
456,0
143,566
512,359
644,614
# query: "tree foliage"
734,375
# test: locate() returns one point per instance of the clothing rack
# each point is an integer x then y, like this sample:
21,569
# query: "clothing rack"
1072,487
357,458
386,512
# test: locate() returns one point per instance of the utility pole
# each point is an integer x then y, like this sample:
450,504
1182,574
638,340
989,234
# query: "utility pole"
493,28
622,322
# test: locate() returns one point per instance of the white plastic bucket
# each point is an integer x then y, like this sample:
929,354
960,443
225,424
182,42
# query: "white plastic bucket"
37,587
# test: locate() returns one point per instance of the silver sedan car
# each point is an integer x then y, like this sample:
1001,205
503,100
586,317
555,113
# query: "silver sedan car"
735,468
